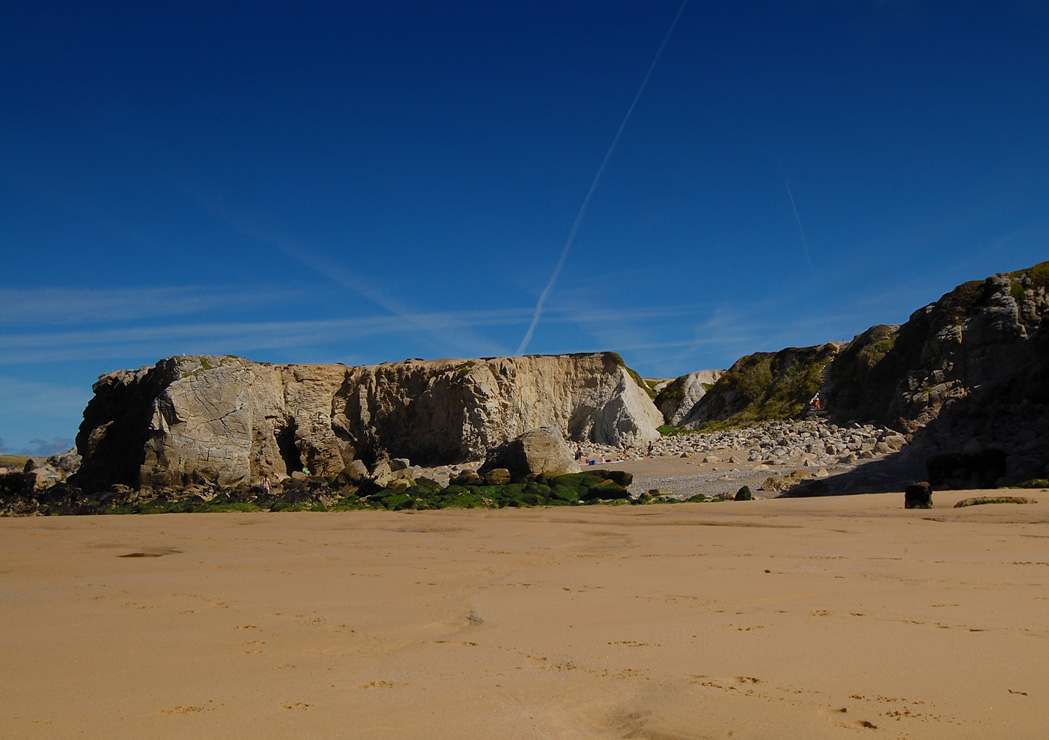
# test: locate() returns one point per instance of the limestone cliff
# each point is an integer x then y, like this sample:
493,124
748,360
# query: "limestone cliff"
225,419
678,397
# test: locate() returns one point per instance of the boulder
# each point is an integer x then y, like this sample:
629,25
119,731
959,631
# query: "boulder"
381,474
17,486
466,478
66,463
355,471
541,451
918,496
497,477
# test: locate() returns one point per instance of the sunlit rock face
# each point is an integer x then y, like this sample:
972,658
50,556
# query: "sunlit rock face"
227,420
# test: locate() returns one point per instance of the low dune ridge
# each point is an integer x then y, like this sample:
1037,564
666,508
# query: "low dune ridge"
815,618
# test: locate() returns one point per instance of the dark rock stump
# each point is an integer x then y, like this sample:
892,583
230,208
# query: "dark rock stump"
918,496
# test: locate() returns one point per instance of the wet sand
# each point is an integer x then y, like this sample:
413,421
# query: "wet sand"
835,617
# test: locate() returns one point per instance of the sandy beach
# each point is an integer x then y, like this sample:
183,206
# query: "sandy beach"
811,618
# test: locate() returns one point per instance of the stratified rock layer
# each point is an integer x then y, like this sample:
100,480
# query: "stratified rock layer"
228,420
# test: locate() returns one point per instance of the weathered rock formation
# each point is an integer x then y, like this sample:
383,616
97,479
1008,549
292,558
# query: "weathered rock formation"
968,374
986,338
678,397
965,374
228,420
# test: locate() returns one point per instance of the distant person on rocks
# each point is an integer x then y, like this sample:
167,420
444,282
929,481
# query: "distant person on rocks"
266,484
816,401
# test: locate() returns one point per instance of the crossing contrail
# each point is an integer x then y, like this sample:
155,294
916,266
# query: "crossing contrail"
593,186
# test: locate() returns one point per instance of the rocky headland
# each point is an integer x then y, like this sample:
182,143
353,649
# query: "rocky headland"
958,395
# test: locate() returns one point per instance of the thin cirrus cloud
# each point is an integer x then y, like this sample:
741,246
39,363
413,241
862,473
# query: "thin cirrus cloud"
70,306
222,338
458,336
20,397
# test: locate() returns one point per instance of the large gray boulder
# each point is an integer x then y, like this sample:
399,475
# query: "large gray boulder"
539,451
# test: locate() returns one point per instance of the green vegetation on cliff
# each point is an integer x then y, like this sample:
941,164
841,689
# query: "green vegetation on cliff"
856,363
1032,278
766,386
672,392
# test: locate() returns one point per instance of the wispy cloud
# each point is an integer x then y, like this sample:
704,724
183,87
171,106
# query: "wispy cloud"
222,338
381,293
19,398
70,306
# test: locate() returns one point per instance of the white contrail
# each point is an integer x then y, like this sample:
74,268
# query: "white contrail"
797,218
593,186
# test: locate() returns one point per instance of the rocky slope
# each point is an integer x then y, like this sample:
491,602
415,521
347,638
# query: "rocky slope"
764,386
227,420
966,378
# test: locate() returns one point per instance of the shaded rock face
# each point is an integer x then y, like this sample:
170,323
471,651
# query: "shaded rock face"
539,451
967,470
984,338
968,375
228,420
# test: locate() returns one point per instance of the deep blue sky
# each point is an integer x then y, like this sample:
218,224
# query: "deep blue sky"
365,182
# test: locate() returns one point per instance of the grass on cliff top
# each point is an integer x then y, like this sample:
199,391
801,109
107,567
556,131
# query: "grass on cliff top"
1038,275
1033,277
673,392
14,461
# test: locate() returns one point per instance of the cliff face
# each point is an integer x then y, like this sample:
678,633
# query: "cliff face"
224,419
985,342
680,396
763,386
